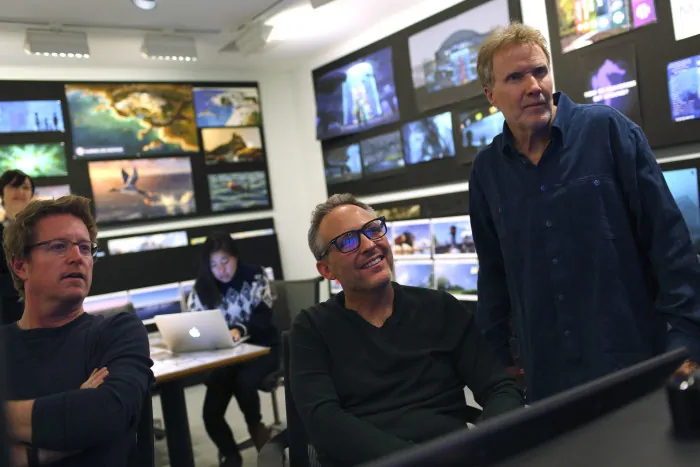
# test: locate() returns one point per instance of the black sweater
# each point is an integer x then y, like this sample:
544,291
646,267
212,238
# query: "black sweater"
363,392
10,307
49,365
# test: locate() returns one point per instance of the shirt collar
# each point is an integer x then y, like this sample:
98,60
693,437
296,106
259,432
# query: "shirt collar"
561,123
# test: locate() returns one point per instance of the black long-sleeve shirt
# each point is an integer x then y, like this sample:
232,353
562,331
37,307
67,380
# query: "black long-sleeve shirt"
49,365
364,392
10,307
587,250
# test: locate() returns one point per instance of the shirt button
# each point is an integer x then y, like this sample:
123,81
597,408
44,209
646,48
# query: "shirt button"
555,261
596,182
567,333
548,223
543,188
560,297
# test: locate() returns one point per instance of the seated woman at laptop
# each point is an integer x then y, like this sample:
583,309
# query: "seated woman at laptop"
242,293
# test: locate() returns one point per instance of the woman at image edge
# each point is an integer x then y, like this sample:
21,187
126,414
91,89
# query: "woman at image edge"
242,293
16,190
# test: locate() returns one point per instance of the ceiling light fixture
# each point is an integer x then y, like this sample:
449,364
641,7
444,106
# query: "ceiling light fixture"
253,39
145,4
302,22
59,44
169,47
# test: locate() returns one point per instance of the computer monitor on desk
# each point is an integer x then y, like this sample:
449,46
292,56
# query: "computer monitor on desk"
499,439
159,300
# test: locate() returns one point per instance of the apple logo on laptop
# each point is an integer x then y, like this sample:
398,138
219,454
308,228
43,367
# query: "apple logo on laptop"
194,332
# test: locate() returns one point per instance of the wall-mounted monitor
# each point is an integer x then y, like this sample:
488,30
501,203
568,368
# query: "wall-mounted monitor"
611,78
51,192
95,304
150,302
400,213
36,160
186,289
584,22
128,190
686,18
226,107
452,237
428,139
415,273
235,191
411,238
232,145
683,184
31,116
479,126
150,242
457,277
684,88
382,153
356,96
131,119
343,164
443,57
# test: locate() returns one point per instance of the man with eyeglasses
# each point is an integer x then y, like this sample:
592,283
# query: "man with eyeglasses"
381,367
75,382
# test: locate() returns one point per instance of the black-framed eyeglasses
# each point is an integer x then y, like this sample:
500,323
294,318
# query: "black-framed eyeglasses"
61,247
350,241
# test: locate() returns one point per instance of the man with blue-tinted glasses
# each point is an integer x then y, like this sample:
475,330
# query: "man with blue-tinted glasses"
381,366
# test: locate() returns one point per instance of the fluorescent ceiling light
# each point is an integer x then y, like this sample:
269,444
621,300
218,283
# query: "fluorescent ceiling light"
60,44
145,4
302,22
169,47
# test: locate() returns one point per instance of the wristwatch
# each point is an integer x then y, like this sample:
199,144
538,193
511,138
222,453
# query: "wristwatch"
32,456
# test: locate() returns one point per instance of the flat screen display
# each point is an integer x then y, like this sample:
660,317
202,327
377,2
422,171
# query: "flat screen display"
457,277
31,116
36,160
683,184
51,192
452,236
480,126
225,107
235,191
415,273
686,18
357,96
129,190
140,243
411,238
611,74
343,164
131,119
232,145
443,57
684,88
429,139
584,22
153,301
382,153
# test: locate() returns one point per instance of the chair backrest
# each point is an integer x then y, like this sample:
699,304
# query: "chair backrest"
291,297
296,435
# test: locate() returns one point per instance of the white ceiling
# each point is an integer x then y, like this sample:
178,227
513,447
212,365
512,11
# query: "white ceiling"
116,27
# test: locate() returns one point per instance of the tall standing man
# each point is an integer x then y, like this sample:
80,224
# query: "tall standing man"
578,235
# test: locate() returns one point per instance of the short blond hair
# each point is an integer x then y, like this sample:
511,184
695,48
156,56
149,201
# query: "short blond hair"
20,233
514,34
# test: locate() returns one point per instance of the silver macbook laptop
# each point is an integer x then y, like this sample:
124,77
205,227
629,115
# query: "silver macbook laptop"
195,331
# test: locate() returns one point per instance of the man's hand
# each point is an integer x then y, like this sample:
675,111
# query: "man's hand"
18,455
236,334
687,368
516,373
97,377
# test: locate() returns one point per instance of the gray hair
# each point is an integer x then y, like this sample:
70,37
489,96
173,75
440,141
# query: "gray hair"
322,210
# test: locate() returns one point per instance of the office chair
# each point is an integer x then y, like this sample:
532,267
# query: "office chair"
290,298
293,437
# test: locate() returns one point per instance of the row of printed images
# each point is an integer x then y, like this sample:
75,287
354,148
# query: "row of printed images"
427,238
134,189
457,277
423,140
149,302
133,119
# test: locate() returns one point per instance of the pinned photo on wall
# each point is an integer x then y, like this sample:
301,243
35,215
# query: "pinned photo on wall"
383,153
236,191
36,160
342,164
51,192
232,145
452,236
141,243
611,79
227,107
457,277
686,18
129,190
131,119
399,213
411,238
428,139
684,88
31,116
582,23
412,273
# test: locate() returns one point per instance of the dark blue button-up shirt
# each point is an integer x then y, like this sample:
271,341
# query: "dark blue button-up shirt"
587,251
